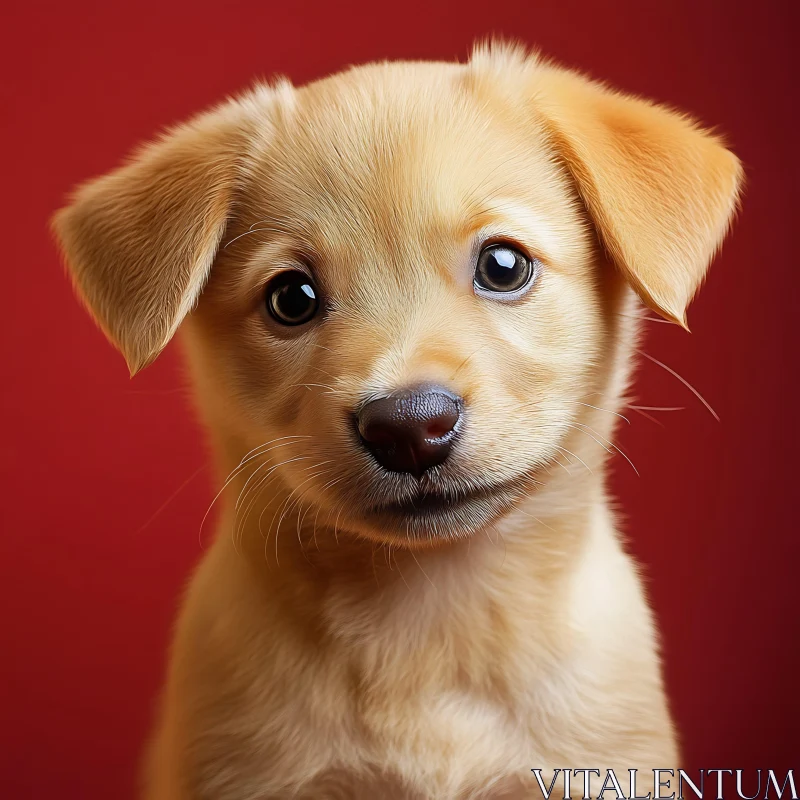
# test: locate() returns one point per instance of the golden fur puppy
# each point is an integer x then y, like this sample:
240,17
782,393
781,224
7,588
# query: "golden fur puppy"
408,295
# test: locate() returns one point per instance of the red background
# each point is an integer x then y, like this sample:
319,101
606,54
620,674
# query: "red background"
91,558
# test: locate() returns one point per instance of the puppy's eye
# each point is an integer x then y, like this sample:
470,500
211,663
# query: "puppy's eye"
292,298
502,269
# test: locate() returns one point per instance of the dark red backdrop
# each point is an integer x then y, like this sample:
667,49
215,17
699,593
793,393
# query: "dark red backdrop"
90,568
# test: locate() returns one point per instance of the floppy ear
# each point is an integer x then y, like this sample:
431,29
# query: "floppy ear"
140,241
660,190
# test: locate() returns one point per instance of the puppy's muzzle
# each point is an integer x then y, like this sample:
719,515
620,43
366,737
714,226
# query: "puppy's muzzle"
411,430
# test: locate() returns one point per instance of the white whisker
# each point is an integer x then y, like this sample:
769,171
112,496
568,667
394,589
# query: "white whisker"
658,408
683,381
608,446
247,233
247,458
577,458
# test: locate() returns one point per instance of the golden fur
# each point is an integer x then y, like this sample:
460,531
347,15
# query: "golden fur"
325,652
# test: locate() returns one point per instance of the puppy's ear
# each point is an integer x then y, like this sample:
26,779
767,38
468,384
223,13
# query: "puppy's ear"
140,241
660,190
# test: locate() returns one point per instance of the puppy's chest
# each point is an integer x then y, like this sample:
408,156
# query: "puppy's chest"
450,711
449,747
433,741
338,785
441,724
445,710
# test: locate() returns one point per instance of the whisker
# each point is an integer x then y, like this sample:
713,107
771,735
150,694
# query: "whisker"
539,404
330,389
544,524
646,318
324,488
375,547
288,506
560,463
336,524
577,458
245,460
467,360
170,499
247,233
608,445
285,444
402,577
325,372
256,491
244,491
302,518
648,416
658,408
338,507
597,408
266,479
683,381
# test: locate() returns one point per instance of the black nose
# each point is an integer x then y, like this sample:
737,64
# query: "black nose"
411,430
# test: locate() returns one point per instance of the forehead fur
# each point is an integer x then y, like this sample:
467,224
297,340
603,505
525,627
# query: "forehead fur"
392,155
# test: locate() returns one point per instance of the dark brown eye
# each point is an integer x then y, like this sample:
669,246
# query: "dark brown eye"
292,298
502,269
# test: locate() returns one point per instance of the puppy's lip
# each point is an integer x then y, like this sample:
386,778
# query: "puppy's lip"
430,503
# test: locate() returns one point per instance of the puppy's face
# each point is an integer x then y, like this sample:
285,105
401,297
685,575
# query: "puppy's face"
361,319
408,306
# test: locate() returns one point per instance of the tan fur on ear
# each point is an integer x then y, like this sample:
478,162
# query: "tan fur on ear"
140,241
660,190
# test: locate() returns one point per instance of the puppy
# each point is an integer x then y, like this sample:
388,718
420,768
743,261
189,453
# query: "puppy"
408,298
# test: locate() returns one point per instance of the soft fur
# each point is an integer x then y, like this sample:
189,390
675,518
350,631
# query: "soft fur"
328,650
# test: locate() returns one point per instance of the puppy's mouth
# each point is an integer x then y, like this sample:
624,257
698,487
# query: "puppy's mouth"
447,510
427,503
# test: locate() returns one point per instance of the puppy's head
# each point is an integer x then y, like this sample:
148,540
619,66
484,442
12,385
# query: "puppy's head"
402,285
